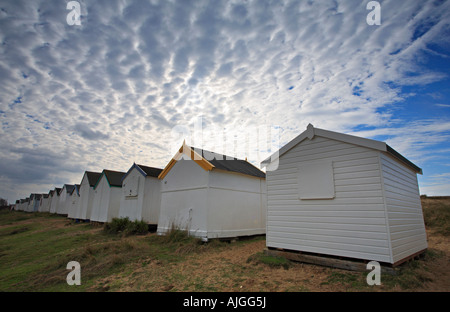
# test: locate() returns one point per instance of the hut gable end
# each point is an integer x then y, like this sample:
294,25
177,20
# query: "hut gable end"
346,196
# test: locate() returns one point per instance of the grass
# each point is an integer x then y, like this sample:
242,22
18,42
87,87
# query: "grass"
126,227
437,215
32,249
36,247
50,243
410,276
271,261
177,242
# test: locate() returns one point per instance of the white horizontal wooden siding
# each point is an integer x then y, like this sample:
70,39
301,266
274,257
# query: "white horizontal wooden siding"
353,224
234,205
405,217
132,198
184,193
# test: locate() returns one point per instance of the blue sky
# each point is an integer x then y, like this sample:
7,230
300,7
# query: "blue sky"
118,88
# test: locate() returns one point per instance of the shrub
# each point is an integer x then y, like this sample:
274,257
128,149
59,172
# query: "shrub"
125,226
117,225
136,228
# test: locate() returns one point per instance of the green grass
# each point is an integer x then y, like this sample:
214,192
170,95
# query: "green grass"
271,261
125,226
437,215
35,249
409,276
34,252
351,280
30,249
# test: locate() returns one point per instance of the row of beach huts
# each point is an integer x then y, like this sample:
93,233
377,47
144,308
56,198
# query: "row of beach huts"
324,192
209,194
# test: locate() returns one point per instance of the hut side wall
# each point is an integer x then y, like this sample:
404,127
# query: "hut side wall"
405,216
236,205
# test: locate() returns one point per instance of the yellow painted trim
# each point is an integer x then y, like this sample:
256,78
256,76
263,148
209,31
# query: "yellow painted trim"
184,149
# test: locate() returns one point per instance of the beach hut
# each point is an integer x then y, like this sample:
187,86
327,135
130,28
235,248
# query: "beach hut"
35,200
26,206
44,203
107,193
73,200
212,195
23,204
141,194
17,205
64,199
88,182
49,202
335,194
54,202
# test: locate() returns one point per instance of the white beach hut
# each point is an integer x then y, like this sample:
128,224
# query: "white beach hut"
335,194
49,202
211,195
54,203
21,204
35,200
141,194
107,193
85,202
27,205
44,203
64,199
73,200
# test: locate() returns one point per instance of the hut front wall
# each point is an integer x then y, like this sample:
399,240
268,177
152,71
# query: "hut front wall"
54,203
86,200
343,217
132,198
152,200
184,192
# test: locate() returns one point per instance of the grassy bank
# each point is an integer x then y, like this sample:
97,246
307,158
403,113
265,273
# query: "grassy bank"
36,247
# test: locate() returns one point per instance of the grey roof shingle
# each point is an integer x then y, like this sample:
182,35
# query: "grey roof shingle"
114,177
150,171
69,188
229,163
93,177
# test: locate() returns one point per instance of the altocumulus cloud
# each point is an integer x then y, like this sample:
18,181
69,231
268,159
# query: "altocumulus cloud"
89,134
110,91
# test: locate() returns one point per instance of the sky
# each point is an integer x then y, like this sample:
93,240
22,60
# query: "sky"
136,78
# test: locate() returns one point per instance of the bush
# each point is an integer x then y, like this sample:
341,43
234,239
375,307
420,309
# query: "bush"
136,228
126,227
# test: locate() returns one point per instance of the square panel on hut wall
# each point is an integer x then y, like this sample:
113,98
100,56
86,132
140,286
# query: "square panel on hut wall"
130,186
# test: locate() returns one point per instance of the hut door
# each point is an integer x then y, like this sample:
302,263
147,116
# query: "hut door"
132,186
